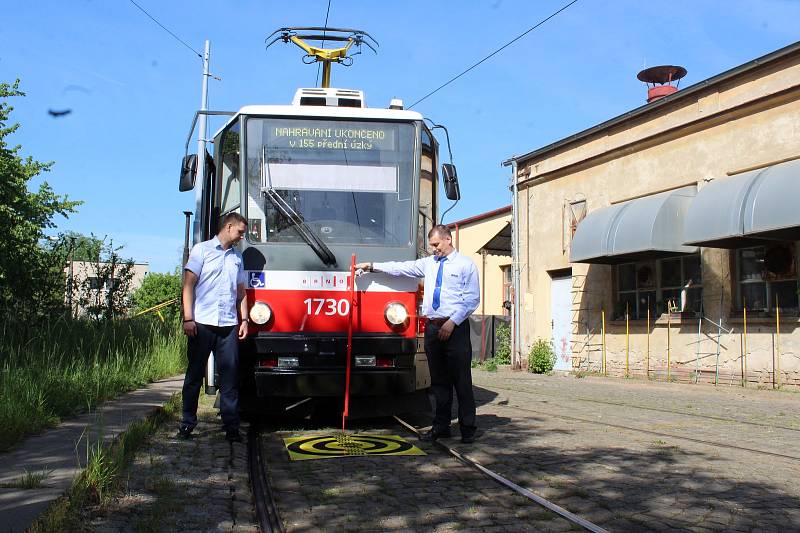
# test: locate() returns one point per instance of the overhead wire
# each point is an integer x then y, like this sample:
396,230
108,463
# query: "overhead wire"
166,30
509,43
319,65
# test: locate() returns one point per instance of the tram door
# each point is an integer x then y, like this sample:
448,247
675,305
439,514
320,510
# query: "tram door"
561,320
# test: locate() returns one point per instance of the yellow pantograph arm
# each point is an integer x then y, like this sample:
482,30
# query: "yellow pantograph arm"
323,54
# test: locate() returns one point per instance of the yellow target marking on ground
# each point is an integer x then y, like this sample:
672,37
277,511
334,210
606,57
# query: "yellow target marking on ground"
327,446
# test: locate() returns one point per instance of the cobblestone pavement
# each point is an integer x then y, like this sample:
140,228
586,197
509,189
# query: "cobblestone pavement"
183,485
636,456
394,493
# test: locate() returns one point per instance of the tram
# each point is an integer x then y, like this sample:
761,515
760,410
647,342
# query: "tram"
319,180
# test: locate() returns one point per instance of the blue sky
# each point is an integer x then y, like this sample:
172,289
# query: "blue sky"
133,89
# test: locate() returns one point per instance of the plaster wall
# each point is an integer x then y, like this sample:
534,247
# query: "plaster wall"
469,238
749,121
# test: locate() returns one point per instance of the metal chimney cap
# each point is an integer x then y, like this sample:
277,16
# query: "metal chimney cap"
661,74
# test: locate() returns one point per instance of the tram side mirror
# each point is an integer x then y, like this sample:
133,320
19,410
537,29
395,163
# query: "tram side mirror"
188,173
450,178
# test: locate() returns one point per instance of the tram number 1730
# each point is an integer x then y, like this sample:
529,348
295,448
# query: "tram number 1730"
327,306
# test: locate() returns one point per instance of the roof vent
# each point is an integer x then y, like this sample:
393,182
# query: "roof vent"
329,97
396,103
661,79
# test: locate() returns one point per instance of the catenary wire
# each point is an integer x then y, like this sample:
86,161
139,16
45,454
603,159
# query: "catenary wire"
509,43
166,30
319,65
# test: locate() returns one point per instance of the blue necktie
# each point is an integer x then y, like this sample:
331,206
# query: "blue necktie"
437,292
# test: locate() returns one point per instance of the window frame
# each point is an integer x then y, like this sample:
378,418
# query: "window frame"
658,306
739,283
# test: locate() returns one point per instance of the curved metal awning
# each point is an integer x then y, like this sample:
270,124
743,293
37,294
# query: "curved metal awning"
747,209
648,227
500,244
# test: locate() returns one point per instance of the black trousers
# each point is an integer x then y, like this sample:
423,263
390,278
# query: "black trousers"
450,364
224,342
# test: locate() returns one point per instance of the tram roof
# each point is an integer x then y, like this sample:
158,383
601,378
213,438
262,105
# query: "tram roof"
369,113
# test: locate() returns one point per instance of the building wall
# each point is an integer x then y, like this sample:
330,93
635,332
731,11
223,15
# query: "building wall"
83,270
469,238
750,120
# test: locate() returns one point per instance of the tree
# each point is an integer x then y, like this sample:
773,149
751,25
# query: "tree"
31,276
103,291
159,288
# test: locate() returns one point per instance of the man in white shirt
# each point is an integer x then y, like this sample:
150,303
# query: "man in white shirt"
213,288
452,293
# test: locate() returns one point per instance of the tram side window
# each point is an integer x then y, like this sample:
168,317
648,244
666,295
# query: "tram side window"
229,173
427,191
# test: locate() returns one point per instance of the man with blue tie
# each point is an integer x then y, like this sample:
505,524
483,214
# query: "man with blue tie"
452,293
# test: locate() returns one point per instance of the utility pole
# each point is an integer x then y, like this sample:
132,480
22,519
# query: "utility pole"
201,148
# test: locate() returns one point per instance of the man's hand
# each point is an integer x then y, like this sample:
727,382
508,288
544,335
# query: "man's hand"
362,268
243,329
190,328
446,330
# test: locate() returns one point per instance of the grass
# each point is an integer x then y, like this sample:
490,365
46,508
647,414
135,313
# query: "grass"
102,475
65,367
29,480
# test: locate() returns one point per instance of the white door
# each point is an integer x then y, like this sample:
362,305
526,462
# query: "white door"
560,314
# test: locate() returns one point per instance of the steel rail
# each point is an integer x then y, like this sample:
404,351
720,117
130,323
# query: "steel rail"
267,512
657,409
656,433
563,513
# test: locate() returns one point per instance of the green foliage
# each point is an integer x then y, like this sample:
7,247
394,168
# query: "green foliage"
31,279
542,358
502,352
81,247
158,288
67,366
112,277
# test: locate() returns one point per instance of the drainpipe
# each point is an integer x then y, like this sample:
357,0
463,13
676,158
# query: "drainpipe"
516,354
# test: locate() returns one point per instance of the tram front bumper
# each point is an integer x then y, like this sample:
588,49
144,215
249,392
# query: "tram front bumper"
328,382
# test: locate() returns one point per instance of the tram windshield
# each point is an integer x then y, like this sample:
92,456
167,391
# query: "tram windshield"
349,182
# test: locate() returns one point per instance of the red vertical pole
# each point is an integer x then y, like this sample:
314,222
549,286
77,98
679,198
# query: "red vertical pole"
351,284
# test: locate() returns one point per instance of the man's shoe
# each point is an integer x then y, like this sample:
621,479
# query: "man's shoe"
233,435
434,434
184,433
468,437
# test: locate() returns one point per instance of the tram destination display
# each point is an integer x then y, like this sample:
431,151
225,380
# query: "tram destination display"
332,136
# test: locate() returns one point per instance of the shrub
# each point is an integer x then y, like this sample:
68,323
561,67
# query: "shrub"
542,358
502,354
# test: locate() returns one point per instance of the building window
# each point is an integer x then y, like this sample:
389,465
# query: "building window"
673,284
94,283
767,277
508,290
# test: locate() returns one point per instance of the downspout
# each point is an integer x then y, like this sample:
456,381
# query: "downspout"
483,282
516,354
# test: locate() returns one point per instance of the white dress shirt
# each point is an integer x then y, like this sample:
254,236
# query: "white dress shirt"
218,273
460,292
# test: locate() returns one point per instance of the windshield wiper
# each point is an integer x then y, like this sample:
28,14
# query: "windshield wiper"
283,207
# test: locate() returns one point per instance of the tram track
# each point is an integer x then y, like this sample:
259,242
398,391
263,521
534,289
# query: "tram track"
266,510
654,409
653,432
547,504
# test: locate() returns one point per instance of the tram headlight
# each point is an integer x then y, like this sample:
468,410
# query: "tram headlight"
396,314
260,313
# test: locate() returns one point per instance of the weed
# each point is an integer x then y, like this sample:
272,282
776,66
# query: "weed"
29,480
102,473
68,366
542,358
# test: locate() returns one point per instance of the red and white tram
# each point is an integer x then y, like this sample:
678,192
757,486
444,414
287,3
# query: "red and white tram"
318,181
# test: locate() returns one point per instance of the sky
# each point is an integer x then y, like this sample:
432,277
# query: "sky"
133,88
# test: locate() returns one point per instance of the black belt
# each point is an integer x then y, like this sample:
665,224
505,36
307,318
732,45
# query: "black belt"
438,322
